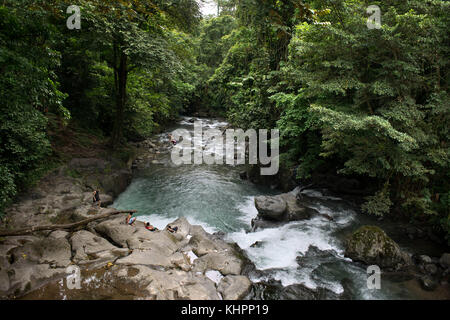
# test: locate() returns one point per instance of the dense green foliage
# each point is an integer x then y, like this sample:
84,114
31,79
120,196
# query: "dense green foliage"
127,70
369,104
29,90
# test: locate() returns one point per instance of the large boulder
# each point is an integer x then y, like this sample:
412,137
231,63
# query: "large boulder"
371,245
296,210
283,207
271,207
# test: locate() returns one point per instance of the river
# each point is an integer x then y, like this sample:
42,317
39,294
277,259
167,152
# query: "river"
308,252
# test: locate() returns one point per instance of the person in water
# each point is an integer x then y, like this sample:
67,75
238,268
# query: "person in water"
172,230
96,198
148,226
130,219
172,140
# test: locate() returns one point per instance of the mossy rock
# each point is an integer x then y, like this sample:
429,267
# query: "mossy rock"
372,246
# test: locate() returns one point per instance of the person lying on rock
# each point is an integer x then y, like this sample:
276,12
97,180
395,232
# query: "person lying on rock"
172,230
148,226
96,198
172,140
130,219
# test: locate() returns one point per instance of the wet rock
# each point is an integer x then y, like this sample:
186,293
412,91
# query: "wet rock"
273,290
326,216
314,256
271,207
283,207
258,223
243,175
226,262
301,292
296,210
371,245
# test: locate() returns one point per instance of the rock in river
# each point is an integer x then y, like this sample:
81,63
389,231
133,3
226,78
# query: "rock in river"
271,207
283,207
371,245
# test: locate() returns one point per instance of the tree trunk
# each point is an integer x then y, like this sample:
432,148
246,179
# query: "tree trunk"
121,97
20,232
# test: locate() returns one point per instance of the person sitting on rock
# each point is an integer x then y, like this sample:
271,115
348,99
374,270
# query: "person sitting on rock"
172,230
172,140
130,219
96,198
148,226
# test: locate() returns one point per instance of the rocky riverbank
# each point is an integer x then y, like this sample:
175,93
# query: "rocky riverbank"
118,261
137,263
368,245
